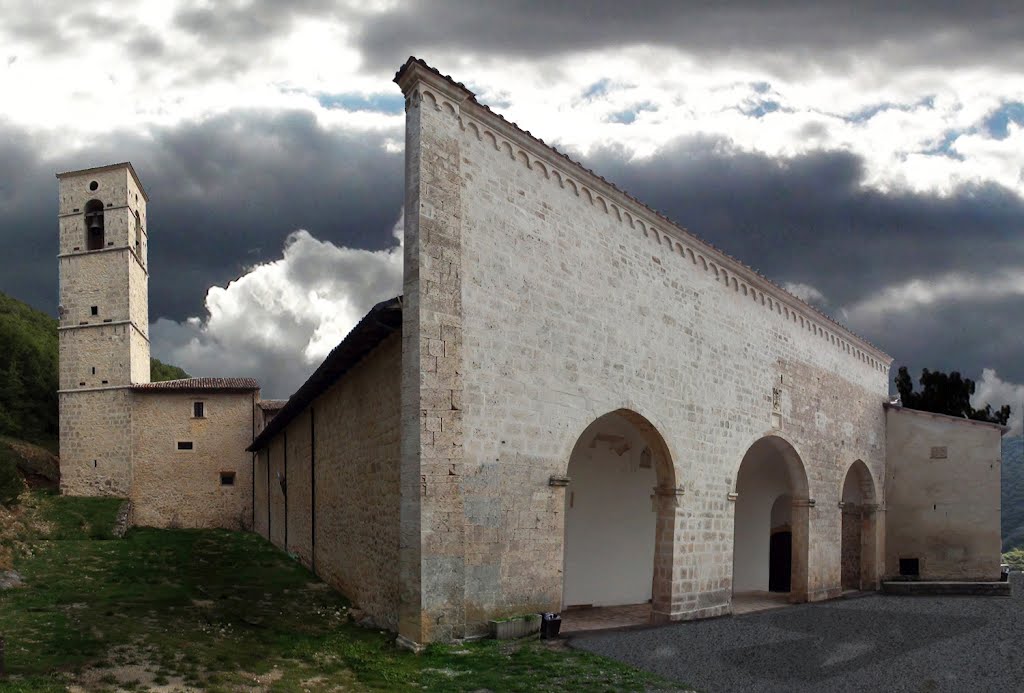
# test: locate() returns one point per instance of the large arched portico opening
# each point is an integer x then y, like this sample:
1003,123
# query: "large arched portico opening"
859,535
619,520
770,525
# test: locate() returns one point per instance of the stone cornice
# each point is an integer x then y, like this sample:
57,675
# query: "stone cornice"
1003,430
112,323
417,80
79,253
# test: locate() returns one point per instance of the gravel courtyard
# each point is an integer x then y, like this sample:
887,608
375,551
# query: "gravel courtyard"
873,643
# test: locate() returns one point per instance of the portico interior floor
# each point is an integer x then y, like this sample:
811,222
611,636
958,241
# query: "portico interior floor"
581,619
605,617
749,602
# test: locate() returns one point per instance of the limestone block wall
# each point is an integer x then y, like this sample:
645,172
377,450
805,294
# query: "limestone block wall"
260,500
182,488
345,444
139,356
97,279
95,443
300,487
943,496
278,500
572,300
95,356
121,198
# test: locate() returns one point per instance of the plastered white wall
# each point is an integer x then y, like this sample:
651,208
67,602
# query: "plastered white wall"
609,518
762,480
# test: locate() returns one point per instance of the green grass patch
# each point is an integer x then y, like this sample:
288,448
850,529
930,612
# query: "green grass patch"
220,610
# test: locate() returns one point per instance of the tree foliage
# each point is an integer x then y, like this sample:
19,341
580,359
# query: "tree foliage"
160,371
944,393
28,372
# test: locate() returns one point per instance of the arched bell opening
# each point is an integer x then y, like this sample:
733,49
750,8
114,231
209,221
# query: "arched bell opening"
95,238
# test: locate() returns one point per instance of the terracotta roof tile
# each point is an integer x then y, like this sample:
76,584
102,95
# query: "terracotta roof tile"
271,404
200,384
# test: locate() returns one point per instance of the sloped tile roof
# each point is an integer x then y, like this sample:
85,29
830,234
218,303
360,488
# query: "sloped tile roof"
382,320
200,385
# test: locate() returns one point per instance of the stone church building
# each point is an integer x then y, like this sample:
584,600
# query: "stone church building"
574,402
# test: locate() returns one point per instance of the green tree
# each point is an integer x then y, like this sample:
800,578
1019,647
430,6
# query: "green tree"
944,393
160,371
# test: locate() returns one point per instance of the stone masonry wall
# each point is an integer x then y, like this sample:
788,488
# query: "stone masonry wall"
357,470
178,488
261,515
355,465
943,496
575,301
95,357
95,443
300,486
278,501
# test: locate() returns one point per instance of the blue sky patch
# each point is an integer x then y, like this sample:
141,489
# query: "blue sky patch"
997,123
597,89
381,103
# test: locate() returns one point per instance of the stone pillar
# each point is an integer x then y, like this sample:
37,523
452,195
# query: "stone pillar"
871,546
852,556
666,596
800,520
432,536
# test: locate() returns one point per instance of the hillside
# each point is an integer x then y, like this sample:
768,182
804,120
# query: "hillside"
28,372
1013,492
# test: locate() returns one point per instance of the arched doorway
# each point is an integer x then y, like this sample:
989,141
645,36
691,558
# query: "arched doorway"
770,526
619,520
858,547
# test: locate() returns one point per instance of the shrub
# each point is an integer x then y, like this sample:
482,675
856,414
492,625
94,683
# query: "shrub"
1015,557
11,483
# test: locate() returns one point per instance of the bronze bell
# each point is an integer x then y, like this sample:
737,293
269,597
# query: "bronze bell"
95,224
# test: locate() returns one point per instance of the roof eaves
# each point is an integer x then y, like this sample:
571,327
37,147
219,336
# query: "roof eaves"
382,320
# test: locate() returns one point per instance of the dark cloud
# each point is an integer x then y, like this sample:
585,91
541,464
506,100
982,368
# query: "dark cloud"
810,220
781,33
224,194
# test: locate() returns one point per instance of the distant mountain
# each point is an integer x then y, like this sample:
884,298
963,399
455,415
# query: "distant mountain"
1013,492
28,372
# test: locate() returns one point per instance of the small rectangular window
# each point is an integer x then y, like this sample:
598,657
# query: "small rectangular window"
184,444
910,567
198,410
227,478
95,310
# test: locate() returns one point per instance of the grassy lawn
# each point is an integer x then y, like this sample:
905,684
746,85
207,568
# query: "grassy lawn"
224,611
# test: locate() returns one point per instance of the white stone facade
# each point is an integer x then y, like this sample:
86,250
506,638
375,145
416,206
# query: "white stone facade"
566,370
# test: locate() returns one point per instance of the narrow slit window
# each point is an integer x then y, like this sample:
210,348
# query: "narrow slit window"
198,410
184,444
95,310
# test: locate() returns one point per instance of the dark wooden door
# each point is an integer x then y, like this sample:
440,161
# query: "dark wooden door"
780,561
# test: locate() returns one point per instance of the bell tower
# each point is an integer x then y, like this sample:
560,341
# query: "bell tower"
103,324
